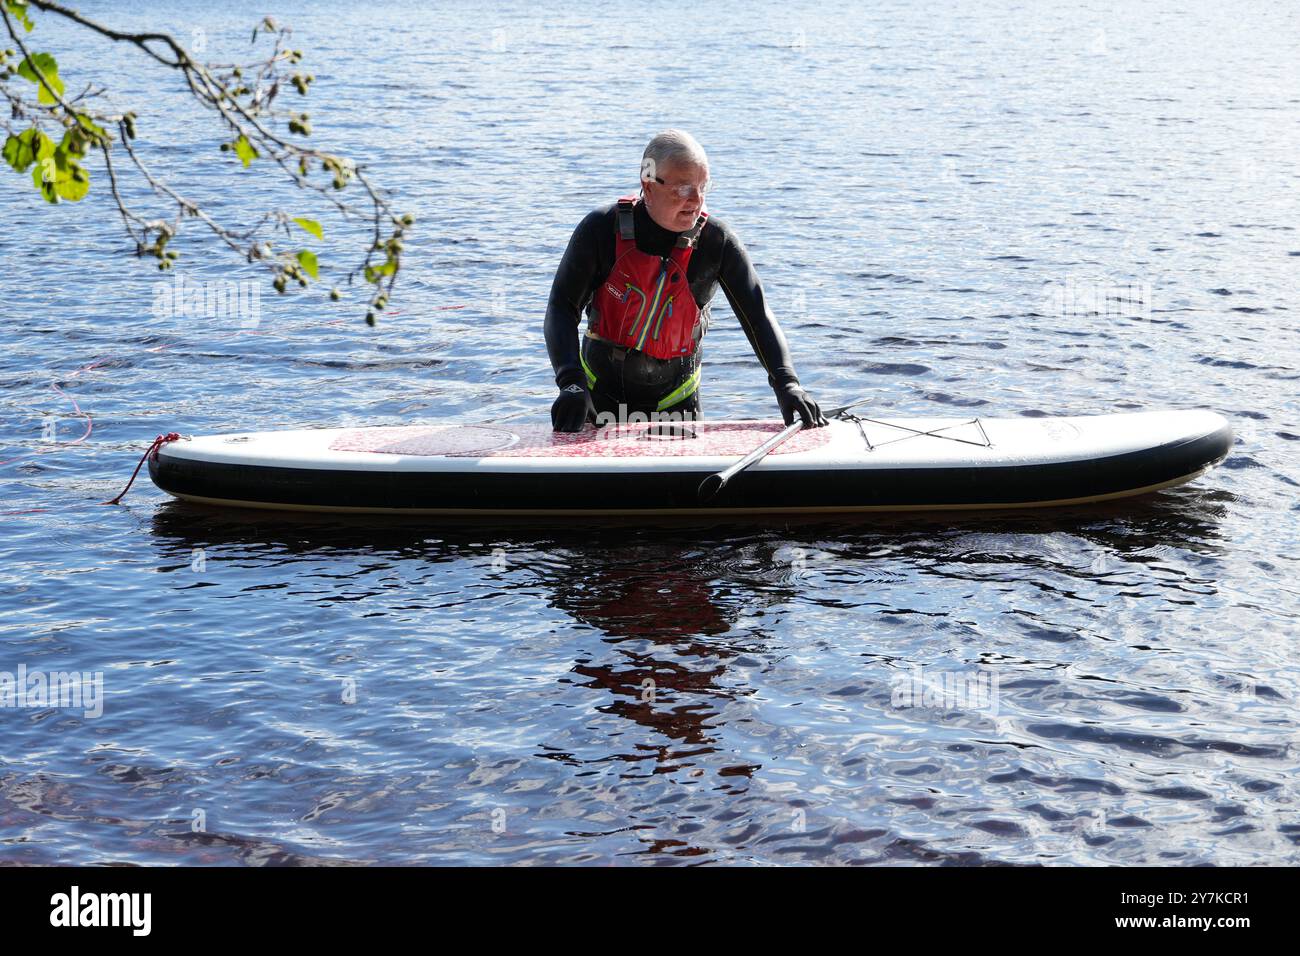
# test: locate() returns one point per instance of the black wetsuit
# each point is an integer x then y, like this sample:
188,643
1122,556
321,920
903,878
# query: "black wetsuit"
631,377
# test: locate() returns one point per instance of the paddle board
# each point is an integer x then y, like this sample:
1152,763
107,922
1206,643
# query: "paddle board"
856,463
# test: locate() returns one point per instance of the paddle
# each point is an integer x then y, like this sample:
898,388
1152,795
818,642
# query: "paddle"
711,485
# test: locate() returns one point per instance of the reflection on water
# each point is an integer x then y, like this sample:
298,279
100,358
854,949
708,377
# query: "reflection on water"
712,691
696,691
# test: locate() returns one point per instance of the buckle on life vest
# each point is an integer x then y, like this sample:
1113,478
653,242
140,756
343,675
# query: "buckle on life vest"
692,235
617,352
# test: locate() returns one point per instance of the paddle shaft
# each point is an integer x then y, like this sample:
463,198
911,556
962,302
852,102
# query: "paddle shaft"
711,485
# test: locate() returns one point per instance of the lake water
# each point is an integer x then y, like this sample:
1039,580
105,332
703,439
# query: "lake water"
915,184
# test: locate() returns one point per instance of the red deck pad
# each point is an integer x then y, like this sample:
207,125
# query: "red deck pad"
539,441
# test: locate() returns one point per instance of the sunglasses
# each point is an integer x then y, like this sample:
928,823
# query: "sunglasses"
685,191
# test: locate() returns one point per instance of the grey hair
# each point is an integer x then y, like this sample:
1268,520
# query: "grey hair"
671,146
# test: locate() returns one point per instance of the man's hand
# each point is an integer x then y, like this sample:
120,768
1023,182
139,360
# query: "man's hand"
795,401
572,410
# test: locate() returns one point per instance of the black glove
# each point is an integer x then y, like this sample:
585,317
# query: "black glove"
572,410
795,401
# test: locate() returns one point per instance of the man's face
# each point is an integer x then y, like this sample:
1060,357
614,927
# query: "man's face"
666,206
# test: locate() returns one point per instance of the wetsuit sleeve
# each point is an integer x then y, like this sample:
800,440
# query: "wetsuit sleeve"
574,283
745,293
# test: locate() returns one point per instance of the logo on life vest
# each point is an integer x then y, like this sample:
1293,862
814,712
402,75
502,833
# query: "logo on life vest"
612,290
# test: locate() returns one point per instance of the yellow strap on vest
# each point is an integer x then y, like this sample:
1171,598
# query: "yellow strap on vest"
681,392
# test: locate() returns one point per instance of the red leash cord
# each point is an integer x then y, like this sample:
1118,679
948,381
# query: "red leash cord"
152,450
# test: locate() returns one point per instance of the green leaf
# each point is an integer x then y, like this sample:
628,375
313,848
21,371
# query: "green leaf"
17,152
44,175
44,146
18,10
94,131
20,150
312,226
245,150
57,172
74,143
49,69
376,273
75,185
307,260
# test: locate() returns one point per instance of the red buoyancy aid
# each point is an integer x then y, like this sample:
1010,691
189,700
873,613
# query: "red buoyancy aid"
645,302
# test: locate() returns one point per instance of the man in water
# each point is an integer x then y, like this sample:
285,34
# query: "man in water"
645,270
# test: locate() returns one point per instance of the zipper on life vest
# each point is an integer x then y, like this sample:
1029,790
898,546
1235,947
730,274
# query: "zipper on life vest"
667,308
628,293
654,303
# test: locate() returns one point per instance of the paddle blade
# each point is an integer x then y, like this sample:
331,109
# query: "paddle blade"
709,487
